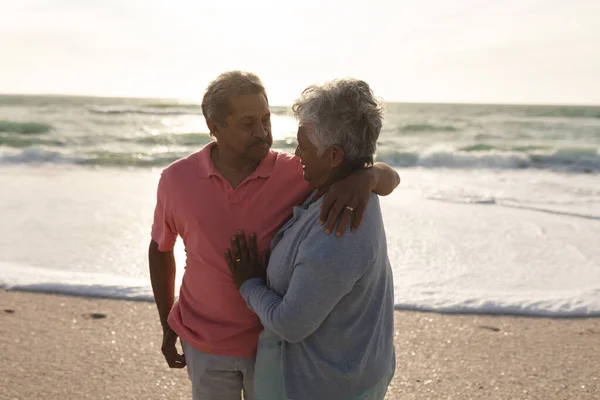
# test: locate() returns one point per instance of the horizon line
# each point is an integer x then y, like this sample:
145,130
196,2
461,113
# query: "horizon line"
194,102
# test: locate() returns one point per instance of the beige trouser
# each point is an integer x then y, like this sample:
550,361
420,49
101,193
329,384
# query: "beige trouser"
216,377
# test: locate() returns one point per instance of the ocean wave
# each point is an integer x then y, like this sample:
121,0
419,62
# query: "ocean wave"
36,155
563,111
118,159
576,160
490,147
565,304
288,144
195,139
76,283
182,139
583,160
170,139
280,110
144,111
22,142
25,128
426,128
573,160
454,159
172,106
461,197
397,158
165,109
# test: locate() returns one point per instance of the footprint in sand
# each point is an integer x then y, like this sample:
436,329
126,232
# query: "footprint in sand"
95,315
489,328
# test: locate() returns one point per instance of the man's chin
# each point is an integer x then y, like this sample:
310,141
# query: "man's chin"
260,151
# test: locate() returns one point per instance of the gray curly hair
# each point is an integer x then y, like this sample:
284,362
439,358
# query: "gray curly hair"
216,102
345,113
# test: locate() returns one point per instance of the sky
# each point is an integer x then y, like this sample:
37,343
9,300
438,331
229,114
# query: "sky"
474,51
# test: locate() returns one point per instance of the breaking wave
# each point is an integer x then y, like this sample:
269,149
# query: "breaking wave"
25,128
575,160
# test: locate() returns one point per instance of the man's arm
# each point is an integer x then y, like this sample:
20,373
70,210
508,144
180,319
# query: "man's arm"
346,200
162,276
385,179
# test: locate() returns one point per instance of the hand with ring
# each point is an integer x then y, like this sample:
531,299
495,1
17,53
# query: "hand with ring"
243,260
345,202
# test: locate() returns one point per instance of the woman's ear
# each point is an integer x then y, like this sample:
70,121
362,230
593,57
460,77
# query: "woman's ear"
336,156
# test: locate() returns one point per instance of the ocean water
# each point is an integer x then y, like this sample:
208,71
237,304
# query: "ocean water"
498,212
143,133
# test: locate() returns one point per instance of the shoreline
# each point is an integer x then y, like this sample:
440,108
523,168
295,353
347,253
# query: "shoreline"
69,347
397,307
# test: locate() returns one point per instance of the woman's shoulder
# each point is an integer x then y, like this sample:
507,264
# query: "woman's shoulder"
362,242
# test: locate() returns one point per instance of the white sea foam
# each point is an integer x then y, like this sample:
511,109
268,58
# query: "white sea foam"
77,283
575,161
85,232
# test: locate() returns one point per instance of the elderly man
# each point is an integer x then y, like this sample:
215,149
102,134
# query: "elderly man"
235,182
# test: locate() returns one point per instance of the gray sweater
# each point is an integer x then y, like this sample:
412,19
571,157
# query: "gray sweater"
331,301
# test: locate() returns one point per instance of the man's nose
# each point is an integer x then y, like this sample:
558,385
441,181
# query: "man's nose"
261,130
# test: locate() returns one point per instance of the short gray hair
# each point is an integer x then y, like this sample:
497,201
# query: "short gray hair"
216,104
345,113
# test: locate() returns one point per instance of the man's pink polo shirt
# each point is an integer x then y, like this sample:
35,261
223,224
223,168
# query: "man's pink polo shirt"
195,202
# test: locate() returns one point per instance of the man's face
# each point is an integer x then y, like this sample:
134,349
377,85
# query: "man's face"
247,131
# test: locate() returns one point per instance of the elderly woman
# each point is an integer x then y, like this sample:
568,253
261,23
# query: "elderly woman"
327,302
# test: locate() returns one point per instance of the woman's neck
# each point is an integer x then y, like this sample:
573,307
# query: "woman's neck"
336,175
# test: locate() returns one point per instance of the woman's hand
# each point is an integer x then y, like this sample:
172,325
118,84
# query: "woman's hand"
346,200
243,259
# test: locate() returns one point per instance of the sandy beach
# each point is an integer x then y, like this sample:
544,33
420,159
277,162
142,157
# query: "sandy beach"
60,347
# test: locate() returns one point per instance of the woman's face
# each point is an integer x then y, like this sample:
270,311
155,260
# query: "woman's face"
317,169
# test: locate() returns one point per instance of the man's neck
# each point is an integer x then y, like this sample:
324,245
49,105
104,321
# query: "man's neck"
232,167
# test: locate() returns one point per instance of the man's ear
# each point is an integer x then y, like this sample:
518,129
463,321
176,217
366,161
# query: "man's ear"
336,156
213,127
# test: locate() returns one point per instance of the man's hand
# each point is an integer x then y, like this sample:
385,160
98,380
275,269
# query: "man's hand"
169,349
347,199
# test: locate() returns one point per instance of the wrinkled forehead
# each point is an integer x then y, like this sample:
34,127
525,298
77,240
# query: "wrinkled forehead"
249,105
305,129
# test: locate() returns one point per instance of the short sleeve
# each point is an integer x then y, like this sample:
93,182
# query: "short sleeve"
164,231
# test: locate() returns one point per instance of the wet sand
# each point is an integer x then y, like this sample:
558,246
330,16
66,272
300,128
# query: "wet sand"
61,347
